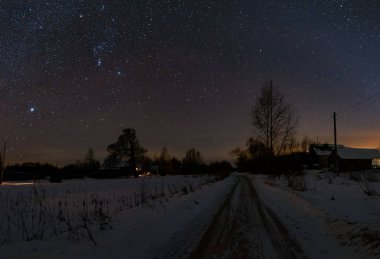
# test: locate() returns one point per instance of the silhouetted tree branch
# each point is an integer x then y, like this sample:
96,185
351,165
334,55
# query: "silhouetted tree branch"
274,119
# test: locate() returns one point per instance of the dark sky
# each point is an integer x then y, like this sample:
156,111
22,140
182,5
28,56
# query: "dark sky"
184,74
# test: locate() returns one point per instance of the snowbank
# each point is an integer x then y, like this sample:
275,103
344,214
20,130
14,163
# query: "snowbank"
169,222
333,218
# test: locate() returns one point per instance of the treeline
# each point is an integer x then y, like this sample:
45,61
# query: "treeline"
29,171
272,149
132,163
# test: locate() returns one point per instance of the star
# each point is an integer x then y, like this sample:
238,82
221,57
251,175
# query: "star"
99,62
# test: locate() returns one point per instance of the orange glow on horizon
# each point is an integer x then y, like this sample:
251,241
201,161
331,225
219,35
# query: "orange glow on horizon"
361,139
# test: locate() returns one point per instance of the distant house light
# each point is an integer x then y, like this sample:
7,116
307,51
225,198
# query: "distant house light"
376,162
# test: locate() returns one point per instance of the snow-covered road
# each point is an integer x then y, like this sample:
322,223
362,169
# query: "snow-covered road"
244,228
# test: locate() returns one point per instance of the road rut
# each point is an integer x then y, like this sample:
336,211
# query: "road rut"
245,228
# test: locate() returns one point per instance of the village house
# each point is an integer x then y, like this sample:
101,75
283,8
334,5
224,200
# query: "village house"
320,153
354,159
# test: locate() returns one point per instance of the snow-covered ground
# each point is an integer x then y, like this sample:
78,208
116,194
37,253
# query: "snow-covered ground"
166,217
153,217
333,218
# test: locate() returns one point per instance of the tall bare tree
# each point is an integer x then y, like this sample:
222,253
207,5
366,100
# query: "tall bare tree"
305,143
192,161
164,162
275,120
164,155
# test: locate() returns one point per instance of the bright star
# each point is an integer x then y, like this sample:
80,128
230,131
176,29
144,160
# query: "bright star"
32,109
99,62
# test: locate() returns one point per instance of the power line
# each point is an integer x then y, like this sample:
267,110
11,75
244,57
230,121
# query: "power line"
364,101
360,106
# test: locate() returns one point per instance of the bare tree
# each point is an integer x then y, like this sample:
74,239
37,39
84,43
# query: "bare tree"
164,162
291,146
274,119
192,161
256,149
164,155
90,164
305,143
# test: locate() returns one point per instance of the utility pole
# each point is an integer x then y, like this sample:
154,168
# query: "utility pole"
335,146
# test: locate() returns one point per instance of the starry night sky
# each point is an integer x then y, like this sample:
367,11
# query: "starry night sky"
184,74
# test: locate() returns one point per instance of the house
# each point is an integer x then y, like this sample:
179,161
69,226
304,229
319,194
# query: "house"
354,159
319,154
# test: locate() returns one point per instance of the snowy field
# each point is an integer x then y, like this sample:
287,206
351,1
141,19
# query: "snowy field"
120,218
166,217
334,217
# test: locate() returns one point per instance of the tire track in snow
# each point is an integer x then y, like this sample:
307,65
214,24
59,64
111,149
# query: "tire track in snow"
182,244
244,228
284,245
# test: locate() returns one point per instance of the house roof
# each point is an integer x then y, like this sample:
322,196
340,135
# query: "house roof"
321,152
358,153
324,149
